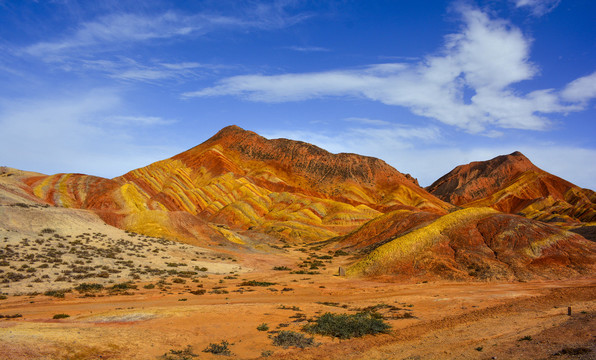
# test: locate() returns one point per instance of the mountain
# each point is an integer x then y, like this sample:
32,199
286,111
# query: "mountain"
512,184
475,243
239,189
240,186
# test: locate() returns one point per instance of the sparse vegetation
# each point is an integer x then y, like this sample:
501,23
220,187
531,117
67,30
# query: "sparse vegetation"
573,351
345,326
256,283
286,339
84,287
219,349
263,327
60,316
525,338
56,293
185,354
281,268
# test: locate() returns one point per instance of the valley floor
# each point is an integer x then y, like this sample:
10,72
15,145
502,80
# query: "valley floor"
430,320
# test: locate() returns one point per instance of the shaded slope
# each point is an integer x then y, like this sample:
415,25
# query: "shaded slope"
512,184
484,244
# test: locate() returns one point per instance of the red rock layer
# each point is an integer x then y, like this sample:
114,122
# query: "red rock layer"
298,167
512,184
489,246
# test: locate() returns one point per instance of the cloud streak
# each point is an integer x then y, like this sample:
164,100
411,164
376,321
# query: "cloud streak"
538,7
119,29
468,84
76,133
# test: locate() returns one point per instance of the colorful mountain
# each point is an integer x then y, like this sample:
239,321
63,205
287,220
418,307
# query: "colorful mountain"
478,243
238,182
512,184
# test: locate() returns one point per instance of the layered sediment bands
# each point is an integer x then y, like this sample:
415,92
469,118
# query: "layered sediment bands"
512,184
383,229
294,166
483,244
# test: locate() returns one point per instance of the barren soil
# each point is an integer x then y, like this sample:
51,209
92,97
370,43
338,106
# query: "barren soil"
448,320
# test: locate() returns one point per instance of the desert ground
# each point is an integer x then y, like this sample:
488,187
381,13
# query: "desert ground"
161,317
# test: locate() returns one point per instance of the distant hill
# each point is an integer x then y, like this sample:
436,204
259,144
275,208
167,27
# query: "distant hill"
512,184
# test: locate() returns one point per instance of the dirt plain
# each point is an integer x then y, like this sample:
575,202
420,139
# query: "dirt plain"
522,320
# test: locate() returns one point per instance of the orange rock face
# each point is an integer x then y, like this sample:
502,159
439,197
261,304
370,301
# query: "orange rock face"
480,244
287,190
512,184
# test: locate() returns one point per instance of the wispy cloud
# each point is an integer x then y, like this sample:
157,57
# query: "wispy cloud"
538,7
485,59
76,133
138,120
127,69
114,30
308,48
581,90
367,121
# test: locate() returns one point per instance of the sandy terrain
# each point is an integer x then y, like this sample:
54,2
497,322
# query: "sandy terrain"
450,320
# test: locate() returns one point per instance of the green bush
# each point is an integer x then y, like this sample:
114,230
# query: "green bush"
56,293
219,349
281,268
286,339
123,286
61,316
263,327
256,283
345,326
185,354
84,287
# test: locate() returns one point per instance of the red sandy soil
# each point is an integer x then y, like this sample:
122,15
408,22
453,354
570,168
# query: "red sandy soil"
452,320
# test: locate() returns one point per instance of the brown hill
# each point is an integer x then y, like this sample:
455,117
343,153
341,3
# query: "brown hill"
238,183
479,243
512,184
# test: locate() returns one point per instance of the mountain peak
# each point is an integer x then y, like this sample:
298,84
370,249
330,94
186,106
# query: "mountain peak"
478,179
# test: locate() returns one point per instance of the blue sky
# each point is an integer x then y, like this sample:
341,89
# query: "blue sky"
105,87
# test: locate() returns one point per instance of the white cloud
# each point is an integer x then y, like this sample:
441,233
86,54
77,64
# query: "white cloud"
113,30
582,89
538,7
367,121
75,133
486,59
308,48
137,120
130,70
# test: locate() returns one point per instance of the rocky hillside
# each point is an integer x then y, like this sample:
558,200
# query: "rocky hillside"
240,185
512,184
478,243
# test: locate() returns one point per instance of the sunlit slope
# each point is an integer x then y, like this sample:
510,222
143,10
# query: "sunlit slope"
382,230
240,203
285,189
282,165
512,184
484,244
